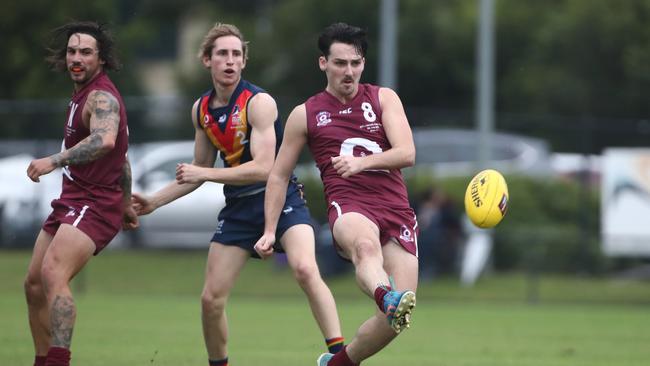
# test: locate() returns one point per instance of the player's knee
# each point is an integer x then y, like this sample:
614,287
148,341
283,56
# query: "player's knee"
213,301
366,249
51,277
305,272
34,291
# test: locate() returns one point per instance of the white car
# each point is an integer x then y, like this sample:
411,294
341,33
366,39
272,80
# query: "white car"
189,221
186,222
23,204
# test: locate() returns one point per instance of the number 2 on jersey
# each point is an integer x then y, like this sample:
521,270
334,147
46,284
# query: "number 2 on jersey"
242,137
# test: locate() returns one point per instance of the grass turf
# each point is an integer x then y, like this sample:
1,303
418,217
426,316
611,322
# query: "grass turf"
142,308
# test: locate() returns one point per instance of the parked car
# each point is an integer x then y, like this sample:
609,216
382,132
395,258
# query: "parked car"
186,222
23,203
450,152
189,221
453,152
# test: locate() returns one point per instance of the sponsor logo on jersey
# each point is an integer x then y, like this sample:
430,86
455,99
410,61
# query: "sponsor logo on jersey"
236,117
371,127
323,118
406,234
346,111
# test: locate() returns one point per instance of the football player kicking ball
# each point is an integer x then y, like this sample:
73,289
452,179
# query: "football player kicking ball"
360,138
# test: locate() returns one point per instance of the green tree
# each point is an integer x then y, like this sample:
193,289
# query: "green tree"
26,32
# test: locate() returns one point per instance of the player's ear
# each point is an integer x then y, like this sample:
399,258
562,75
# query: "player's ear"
206,61
322,63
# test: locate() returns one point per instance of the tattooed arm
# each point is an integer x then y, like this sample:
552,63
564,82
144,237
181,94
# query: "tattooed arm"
129,217
102,111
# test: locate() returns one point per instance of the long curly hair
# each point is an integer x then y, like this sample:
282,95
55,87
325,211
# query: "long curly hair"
99,31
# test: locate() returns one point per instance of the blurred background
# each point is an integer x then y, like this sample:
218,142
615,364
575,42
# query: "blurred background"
554,94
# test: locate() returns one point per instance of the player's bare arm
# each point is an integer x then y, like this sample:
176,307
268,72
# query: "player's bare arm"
295,138
125,181
129,217
204,155
262,113
102,111
402,151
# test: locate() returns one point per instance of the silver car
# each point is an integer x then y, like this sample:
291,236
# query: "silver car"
188,222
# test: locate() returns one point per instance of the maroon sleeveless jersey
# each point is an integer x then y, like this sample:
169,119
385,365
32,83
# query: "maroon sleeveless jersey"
99,179
353,129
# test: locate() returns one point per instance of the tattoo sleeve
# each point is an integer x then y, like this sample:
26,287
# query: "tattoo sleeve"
104,123
126,180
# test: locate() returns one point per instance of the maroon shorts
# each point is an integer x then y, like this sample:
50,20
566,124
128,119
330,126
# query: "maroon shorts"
100,223
400,224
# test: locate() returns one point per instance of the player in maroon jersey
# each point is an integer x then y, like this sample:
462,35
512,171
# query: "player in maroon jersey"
95,199
240,121
359,137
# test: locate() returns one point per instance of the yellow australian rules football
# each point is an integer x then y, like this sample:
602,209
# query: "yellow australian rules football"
486,198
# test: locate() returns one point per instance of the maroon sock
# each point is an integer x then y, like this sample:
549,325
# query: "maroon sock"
341,358
222,362
380,291
39,360
58,356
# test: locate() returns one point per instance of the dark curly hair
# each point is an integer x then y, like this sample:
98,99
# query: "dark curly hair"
343,33
99,31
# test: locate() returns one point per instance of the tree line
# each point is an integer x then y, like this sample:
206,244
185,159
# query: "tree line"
565,69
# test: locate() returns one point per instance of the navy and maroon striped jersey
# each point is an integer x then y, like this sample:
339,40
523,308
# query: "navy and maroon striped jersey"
230,132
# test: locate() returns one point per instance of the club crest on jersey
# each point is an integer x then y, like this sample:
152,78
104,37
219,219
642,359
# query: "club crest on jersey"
236,117
405,234
323,118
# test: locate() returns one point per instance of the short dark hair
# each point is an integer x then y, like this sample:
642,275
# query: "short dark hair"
99,31
343,33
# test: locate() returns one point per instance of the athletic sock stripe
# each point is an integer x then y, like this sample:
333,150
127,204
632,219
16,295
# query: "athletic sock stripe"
332,341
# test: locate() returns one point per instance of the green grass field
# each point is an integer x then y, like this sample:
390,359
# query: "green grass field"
142,308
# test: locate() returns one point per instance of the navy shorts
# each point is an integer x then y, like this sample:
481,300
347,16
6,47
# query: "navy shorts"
241,221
